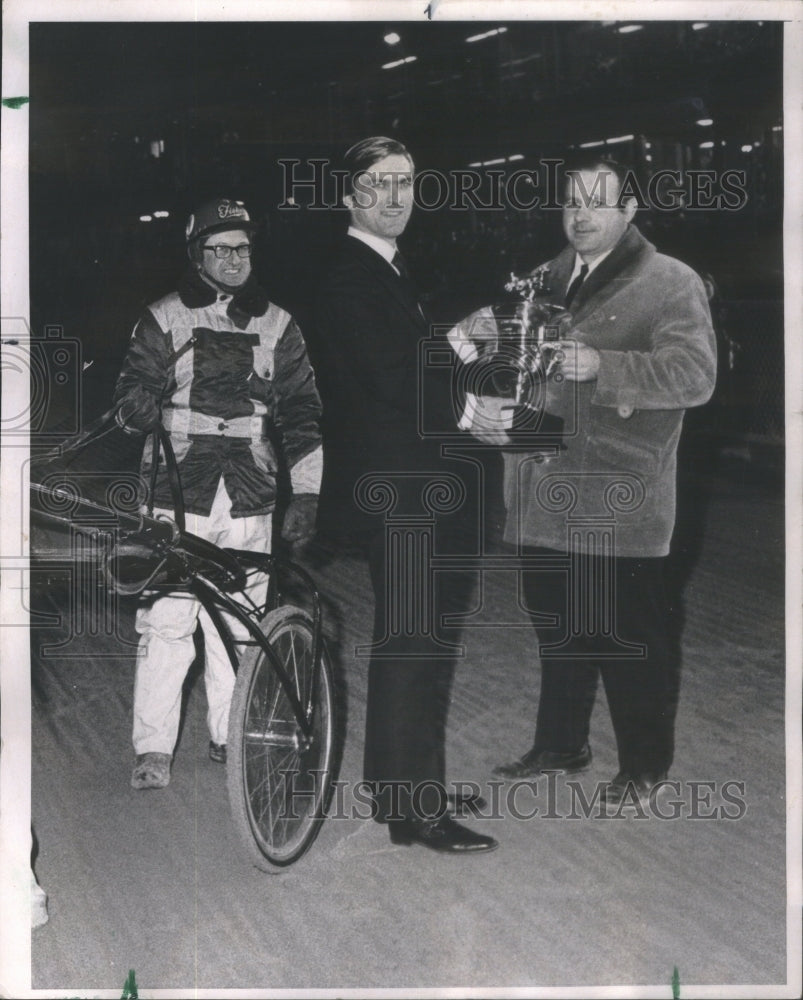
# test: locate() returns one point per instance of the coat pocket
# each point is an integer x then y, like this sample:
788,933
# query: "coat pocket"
626,451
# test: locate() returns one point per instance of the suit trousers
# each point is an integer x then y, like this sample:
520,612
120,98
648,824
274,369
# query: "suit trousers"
409,684
605,615
167,648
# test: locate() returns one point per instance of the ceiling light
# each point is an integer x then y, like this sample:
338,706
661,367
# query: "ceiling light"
399,62
498,160
747,149
620,138
486,34
699,25
706,145
524,59
705,121
145,218
590,145
628,29
392,38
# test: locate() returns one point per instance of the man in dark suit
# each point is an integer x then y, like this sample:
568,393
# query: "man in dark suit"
365,339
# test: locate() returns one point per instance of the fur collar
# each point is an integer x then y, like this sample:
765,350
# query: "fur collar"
630,252
246,302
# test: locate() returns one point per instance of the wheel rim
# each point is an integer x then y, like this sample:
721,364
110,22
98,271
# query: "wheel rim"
285,774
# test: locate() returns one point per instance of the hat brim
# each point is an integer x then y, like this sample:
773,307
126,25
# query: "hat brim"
232,225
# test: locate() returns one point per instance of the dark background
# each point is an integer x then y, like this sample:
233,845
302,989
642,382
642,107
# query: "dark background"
129,119
614,903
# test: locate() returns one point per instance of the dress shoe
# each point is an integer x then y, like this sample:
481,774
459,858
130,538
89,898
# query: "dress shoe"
535,762
626,789
441,835
217,752
469,804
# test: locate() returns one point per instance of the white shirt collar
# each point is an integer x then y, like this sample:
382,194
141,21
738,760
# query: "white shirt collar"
385,250
578,263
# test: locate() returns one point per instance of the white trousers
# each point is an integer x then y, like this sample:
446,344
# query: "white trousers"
166,646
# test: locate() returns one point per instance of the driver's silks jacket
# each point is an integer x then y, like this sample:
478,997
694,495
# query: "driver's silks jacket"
232,382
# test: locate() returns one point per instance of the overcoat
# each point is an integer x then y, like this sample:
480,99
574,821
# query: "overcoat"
615,481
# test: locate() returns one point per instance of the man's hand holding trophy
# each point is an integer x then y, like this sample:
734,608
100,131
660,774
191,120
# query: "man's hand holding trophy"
514,355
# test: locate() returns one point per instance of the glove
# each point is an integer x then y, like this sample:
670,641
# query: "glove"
299,520
138,413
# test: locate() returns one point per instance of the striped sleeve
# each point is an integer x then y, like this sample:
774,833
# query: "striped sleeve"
298,410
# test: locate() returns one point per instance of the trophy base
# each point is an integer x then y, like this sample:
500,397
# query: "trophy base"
534,430
534,422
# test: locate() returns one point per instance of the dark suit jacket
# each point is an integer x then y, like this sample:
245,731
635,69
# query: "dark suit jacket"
364,345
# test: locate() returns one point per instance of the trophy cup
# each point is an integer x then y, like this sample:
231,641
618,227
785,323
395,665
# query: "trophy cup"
509,361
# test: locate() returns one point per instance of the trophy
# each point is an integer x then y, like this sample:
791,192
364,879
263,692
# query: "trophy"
510,361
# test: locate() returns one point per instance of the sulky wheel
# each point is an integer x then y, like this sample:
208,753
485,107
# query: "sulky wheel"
278,777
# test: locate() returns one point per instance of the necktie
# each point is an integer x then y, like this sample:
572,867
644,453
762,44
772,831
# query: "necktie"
575,285
400,265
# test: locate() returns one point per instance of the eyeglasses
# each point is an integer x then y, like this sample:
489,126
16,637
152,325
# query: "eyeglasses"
223,252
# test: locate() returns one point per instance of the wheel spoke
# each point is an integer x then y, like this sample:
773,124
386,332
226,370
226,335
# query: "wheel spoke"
279,780
274,794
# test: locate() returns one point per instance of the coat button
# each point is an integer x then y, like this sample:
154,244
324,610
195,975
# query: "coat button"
221,426
625,411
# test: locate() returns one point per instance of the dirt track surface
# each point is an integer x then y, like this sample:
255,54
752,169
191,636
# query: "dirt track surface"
155,881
